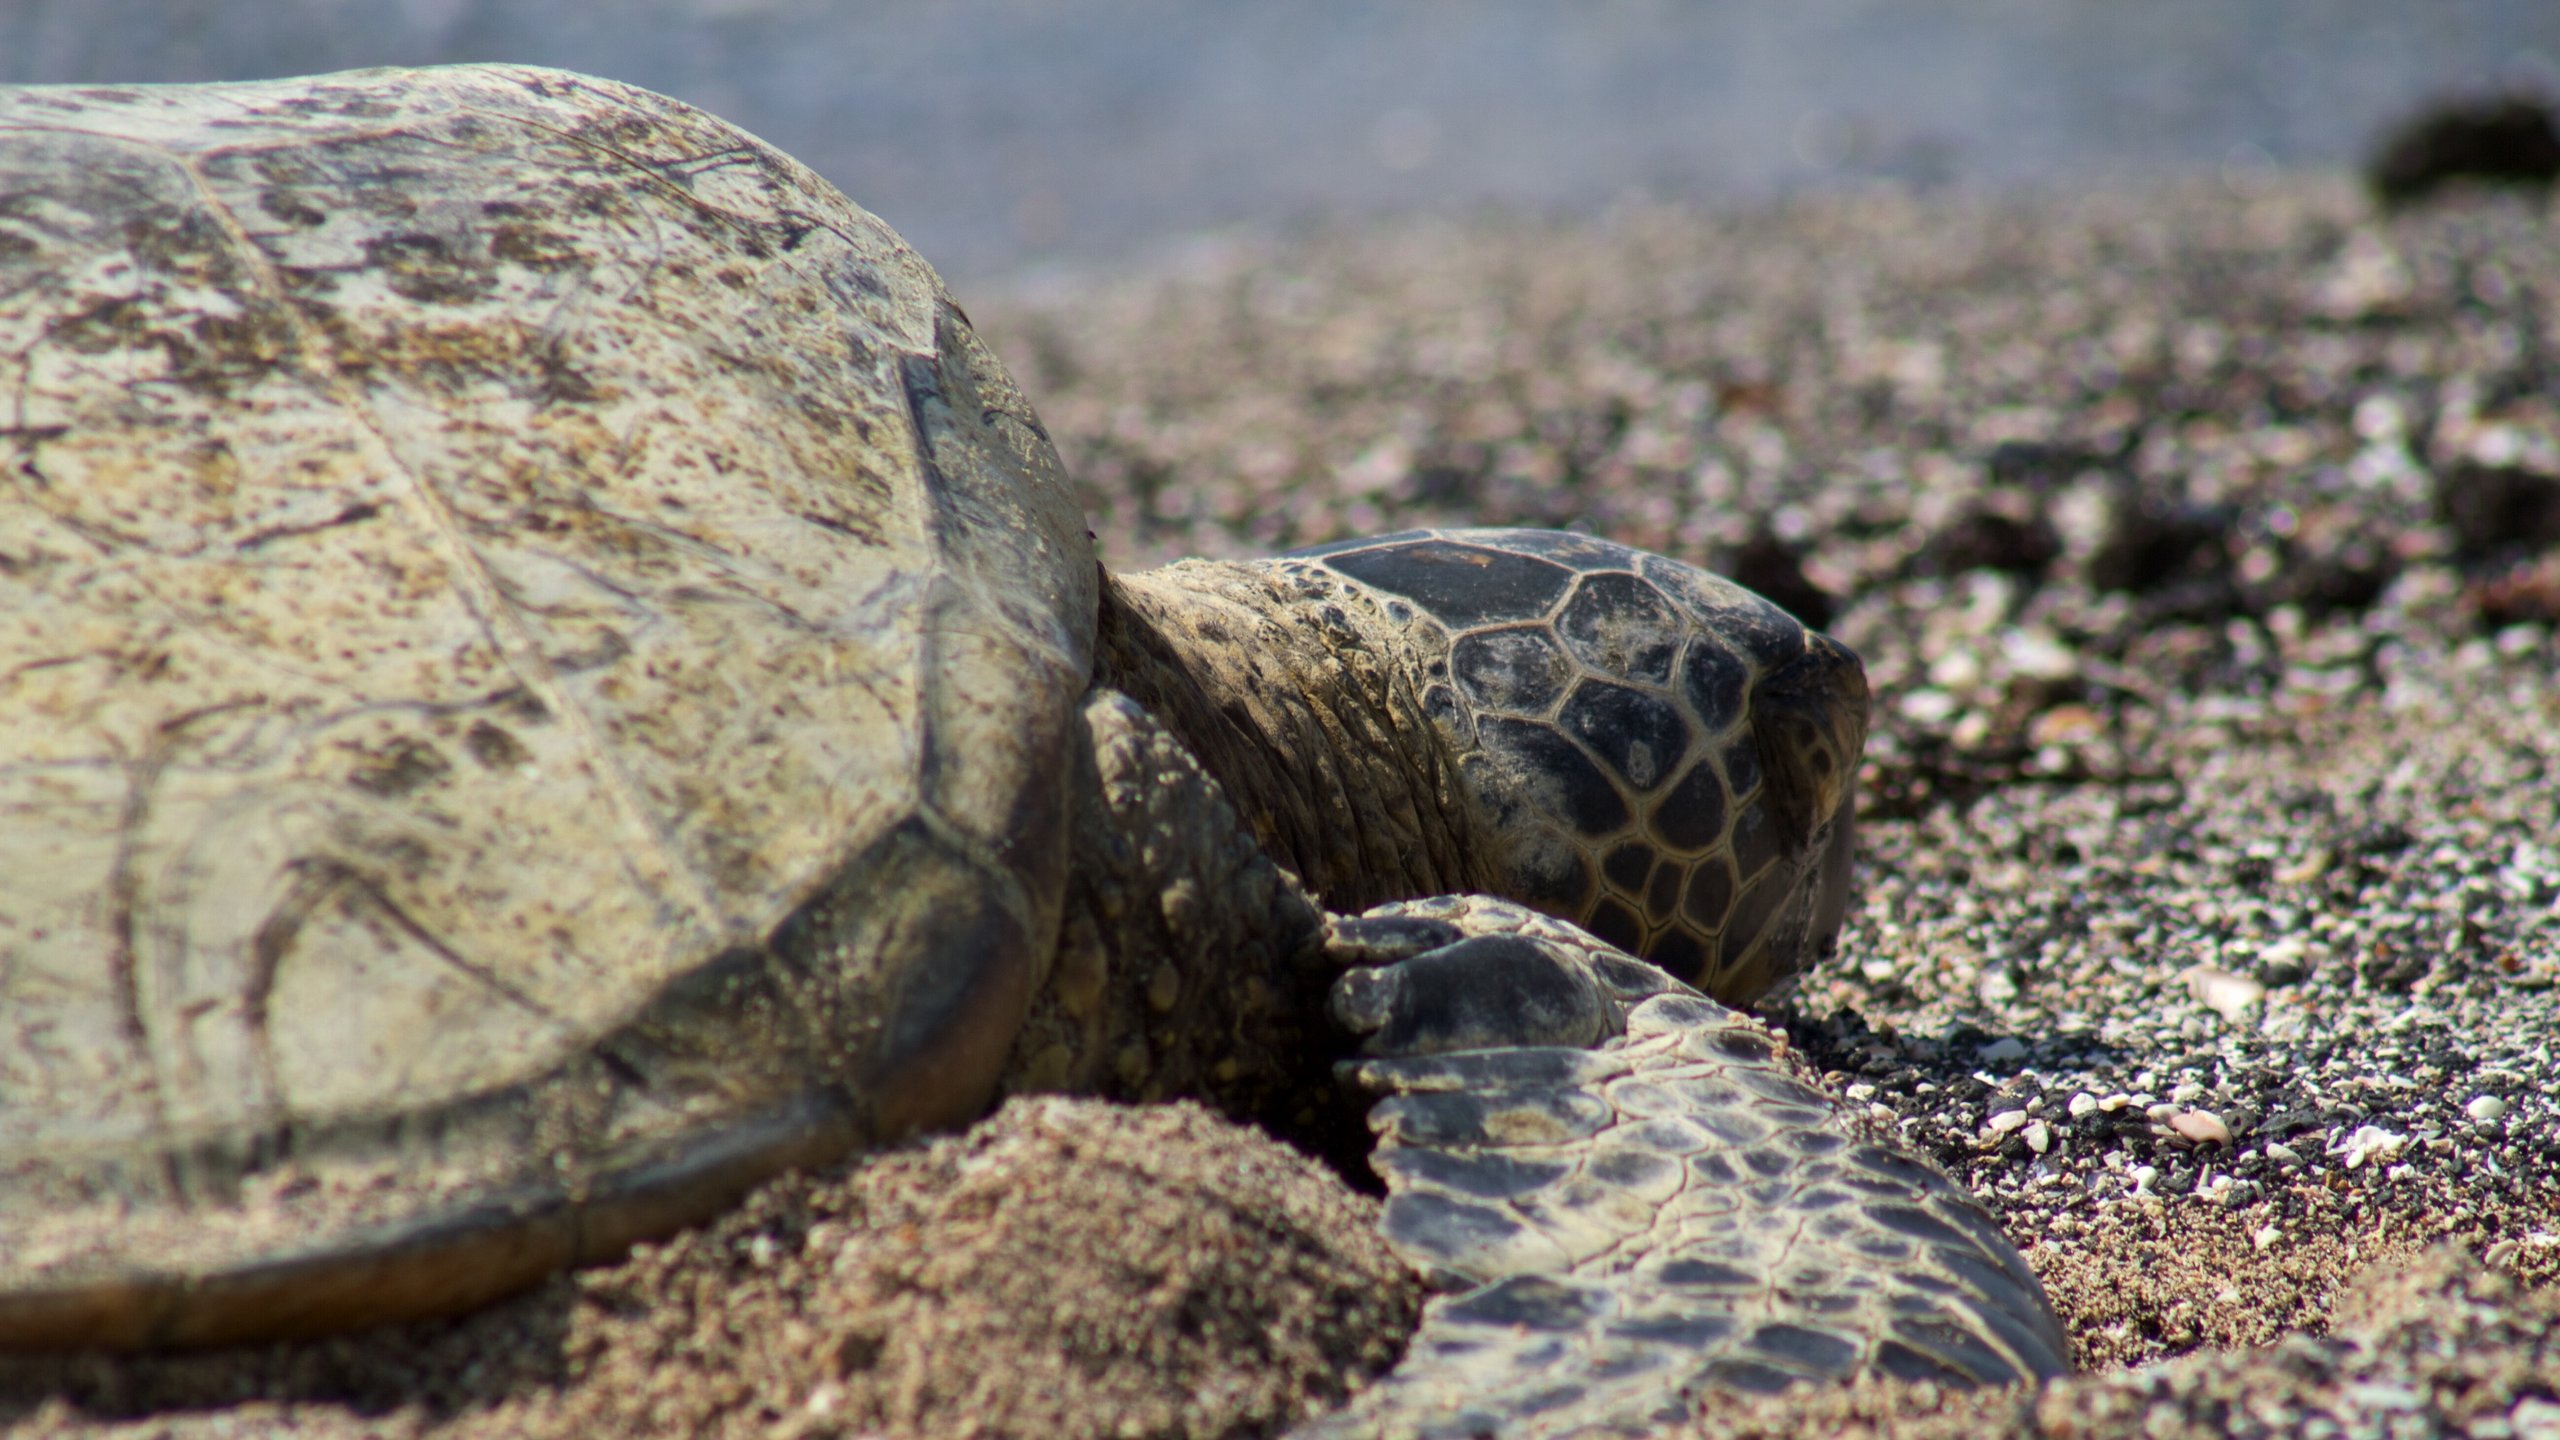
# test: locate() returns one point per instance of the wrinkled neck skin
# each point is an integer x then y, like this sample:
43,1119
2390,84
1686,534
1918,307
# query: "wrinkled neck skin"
1253,748
1299,698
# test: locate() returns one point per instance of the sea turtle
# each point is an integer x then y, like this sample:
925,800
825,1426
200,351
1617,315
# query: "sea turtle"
548,675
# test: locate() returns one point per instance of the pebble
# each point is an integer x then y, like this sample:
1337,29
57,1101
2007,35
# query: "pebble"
2371,1142
2066,725
2486,1109
2534,1418
2038,654
2201,1126
2230,995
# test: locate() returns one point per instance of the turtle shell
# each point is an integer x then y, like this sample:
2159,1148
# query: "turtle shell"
535,646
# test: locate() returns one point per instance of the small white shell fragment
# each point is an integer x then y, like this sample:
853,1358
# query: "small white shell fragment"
2202,1126
2038,654
2372,1142
2225,993
1924,706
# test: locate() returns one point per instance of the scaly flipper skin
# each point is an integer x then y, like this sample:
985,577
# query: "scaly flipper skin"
1671,1210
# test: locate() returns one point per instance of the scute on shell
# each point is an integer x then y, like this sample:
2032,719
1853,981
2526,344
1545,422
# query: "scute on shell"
536,642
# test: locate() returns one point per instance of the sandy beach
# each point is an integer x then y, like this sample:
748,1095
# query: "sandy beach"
2203,546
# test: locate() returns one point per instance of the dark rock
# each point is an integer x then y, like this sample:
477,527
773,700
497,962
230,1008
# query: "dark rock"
2178,555
2044,465
1775,569
2498,511
2526,594
2508,140
1983,537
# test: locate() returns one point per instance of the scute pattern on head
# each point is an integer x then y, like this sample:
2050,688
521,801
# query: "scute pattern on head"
1609,704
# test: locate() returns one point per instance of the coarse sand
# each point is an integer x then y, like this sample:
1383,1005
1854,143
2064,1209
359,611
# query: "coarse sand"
2204,548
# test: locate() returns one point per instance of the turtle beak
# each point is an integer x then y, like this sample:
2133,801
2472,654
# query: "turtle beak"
1831,879
1809,718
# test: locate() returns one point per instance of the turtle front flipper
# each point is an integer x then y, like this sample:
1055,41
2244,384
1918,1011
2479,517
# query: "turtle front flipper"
1670,1210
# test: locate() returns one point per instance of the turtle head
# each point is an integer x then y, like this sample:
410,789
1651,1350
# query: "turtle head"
1652,752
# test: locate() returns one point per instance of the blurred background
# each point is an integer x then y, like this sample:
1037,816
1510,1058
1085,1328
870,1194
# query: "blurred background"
998,134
